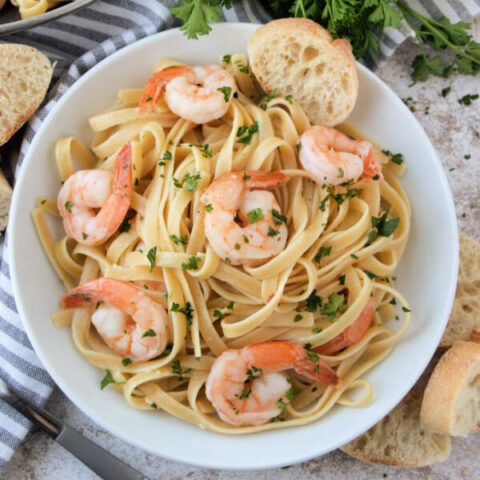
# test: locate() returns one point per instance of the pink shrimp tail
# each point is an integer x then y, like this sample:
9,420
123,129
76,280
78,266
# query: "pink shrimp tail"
156,85
260,180
371,166
352,334
82,296
318,371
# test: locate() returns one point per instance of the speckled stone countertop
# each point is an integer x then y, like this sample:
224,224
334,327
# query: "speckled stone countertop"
453,130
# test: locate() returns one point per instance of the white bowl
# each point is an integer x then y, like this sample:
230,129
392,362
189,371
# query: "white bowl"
427,273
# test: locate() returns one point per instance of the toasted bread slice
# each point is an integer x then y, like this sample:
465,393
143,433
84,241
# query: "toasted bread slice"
296,56
25,74
451,404
464,321
5,200
399,439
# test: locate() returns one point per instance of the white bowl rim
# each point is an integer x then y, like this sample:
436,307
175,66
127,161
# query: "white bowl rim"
303,454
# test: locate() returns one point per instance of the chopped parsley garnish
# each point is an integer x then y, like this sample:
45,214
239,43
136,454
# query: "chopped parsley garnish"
468,99
278,218
167,351
245,393
108,379
43,201
297,318
317,330
167,155
226,58
341,173
126,362
370,275
230,305
298,147
208,207
237,246
149,333
341,279
267,98
467,156
253,373
187,311
288,98
182,240
393,301
245,133
245,239
177,183
354,256
152,255
394,157
335,305
313,356
406,310
84,235
381,227
227,259
324,202
177,370
255,215
217,313
191,181
324,251
272,232
192,263
313,302
68,206
246,177
226,92
205,151
445,91
124,226
154,405
282,406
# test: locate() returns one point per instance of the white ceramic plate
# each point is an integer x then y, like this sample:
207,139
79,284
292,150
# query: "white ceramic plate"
427,274
11,21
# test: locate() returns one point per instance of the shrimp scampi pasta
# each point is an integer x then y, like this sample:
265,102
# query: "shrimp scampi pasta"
226,261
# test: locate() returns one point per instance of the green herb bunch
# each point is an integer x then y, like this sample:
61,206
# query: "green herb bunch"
362,22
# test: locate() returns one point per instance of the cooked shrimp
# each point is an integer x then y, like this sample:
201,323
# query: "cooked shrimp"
262,233
87,190
157,83
352,334
333,158
202,96
130,322
246,387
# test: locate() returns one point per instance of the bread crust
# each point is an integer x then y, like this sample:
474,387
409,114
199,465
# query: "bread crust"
361,449
307,34
9,54
448,386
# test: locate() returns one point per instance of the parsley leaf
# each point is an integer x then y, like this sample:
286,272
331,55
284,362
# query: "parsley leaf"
255,215
177,369
149,333
278,218
209,207
382,227
267,98
323,252
152,256
182,240
108,379
68,206
226,92
335,305
191,181
245,133
192,263
394,157
272,232
313,302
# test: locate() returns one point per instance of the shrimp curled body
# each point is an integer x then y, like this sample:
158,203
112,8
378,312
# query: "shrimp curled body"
199,94
260,235
245,386
87,190
333,158
129,321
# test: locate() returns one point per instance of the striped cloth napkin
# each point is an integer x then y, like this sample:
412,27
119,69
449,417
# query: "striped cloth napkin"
76,43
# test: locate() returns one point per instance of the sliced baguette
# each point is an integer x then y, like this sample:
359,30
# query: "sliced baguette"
451,404
25,74
5,200
399,439
464,321
296,56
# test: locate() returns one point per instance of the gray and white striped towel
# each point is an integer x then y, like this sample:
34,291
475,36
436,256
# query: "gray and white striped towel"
76,43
